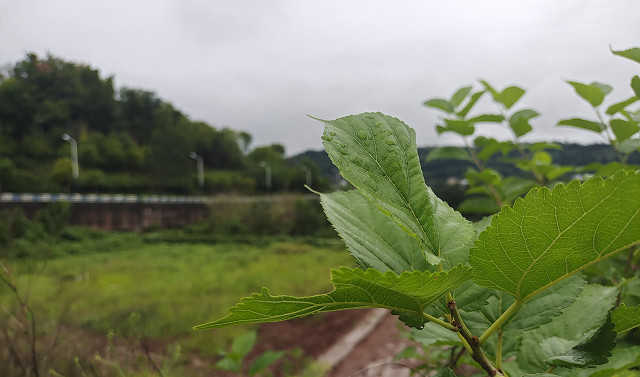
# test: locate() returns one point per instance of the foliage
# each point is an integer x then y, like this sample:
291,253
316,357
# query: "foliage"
493,288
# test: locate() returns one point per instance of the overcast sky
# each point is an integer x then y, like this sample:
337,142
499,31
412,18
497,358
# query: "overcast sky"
261,65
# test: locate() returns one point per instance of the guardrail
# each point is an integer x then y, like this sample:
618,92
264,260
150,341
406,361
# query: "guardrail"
9,197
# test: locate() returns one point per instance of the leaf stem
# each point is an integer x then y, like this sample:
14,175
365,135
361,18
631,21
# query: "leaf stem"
499,351
440,322
502,319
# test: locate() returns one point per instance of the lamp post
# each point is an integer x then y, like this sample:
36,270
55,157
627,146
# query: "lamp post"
200,165
307,172
74,156
267,174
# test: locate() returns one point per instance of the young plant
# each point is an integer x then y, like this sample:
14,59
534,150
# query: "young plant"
621,126
509,288
234,360
489,189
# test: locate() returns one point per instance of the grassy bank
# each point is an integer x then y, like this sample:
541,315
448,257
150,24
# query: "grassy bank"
158,291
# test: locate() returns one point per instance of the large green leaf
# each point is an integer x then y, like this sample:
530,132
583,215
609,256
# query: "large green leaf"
632,53
625,318
593,349
409,292
583,123
588,313
378,155
372,237
593,93
549,235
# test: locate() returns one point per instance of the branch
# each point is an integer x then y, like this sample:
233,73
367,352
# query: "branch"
477,353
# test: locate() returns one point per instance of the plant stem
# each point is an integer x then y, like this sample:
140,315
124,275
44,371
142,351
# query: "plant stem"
499,350
496,325
476,350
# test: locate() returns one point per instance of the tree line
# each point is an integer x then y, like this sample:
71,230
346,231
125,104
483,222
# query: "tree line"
128,140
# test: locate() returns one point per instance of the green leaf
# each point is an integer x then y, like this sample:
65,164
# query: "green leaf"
635,85
519,121
510,96
378,155
584,124
491,118
372,237
632,53
447,153
445,373
409,292
513,187
623,129
461,127
441,104
616,107
592,350
435,335
264,361
625,318
230,365
588,313
243,344
472,101
549,235
478,205
629,145
538,311
459,96
593,93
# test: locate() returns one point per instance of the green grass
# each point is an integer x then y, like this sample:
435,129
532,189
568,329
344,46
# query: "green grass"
161,290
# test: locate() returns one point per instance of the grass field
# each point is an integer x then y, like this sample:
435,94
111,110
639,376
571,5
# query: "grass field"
160,290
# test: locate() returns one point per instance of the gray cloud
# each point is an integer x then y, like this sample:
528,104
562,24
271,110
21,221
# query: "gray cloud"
262,66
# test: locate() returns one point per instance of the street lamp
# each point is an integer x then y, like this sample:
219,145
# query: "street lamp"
307,172
74,155
267,174
200,168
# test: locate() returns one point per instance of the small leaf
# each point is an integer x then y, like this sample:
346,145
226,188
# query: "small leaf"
243,344
584,124
510,96
616,107
632,53
625,318
519,121
264,361
491,118
513,187
461,127
459,96
472,101
441,104
447,153
635,85
230,365
623,129
549,235
478,205
593,93
592,350
372,237
409,292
